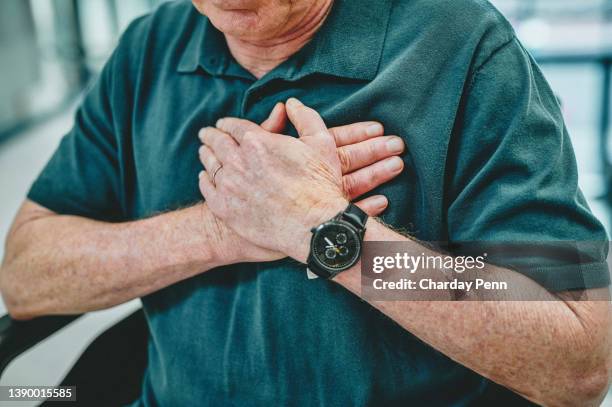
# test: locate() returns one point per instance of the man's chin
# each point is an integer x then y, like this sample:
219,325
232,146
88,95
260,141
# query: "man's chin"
240,23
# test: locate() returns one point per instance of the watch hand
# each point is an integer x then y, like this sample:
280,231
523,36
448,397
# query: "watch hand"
329,242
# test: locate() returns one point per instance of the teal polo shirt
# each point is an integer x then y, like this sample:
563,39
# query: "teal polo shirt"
488,158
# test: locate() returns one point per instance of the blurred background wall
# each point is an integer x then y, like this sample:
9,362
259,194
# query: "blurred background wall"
51,49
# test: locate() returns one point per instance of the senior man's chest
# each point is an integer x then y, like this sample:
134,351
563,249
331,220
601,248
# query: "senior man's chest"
165,143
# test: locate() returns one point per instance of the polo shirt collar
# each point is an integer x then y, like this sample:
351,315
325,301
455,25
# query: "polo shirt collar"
205,49
349,45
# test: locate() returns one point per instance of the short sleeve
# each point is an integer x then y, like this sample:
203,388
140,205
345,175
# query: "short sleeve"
83,177
513,179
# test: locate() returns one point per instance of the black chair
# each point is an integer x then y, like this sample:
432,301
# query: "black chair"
111,370
108,373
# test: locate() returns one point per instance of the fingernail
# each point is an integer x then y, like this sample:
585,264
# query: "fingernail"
201,150
395,145
380,202
394,164
219,122
294,102
374,130
201,174
201,134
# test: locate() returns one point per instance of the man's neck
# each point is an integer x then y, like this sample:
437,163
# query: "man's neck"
260,57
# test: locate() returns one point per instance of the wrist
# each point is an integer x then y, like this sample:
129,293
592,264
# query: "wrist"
220,240
317,214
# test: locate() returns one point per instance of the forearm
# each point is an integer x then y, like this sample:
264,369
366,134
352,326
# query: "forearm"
549,351
66,264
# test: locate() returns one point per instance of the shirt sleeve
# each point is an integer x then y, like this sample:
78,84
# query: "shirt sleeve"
513,178
83,177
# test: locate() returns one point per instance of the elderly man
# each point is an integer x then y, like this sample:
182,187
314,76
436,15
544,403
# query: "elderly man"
234,319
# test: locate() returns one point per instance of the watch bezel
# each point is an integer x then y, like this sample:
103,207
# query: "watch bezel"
316,232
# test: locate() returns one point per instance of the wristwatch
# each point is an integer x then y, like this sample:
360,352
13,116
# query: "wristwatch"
336,245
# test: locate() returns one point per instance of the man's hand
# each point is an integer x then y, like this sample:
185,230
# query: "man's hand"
368,159
270,188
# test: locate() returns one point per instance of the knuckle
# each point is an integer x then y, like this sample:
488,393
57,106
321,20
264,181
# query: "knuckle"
378,178
350,131
345,159
254,142
233,158
250,138
349,185
235,164
222,181
336,134
230,186
371,178
374,149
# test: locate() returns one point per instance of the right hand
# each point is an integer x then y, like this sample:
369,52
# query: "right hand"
368,159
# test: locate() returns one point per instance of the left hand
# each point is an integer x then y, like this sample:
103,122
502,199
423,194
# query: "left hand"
272,189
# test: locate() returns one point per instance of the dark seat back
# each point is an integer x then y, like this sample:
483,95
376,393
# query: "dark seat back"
111,370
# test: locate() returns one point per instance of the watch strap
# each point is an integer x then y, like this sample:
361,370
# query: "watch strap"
354,215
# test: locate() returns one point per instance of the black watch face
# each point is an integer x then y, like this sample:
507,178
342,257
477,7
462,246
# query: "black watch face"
336,245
